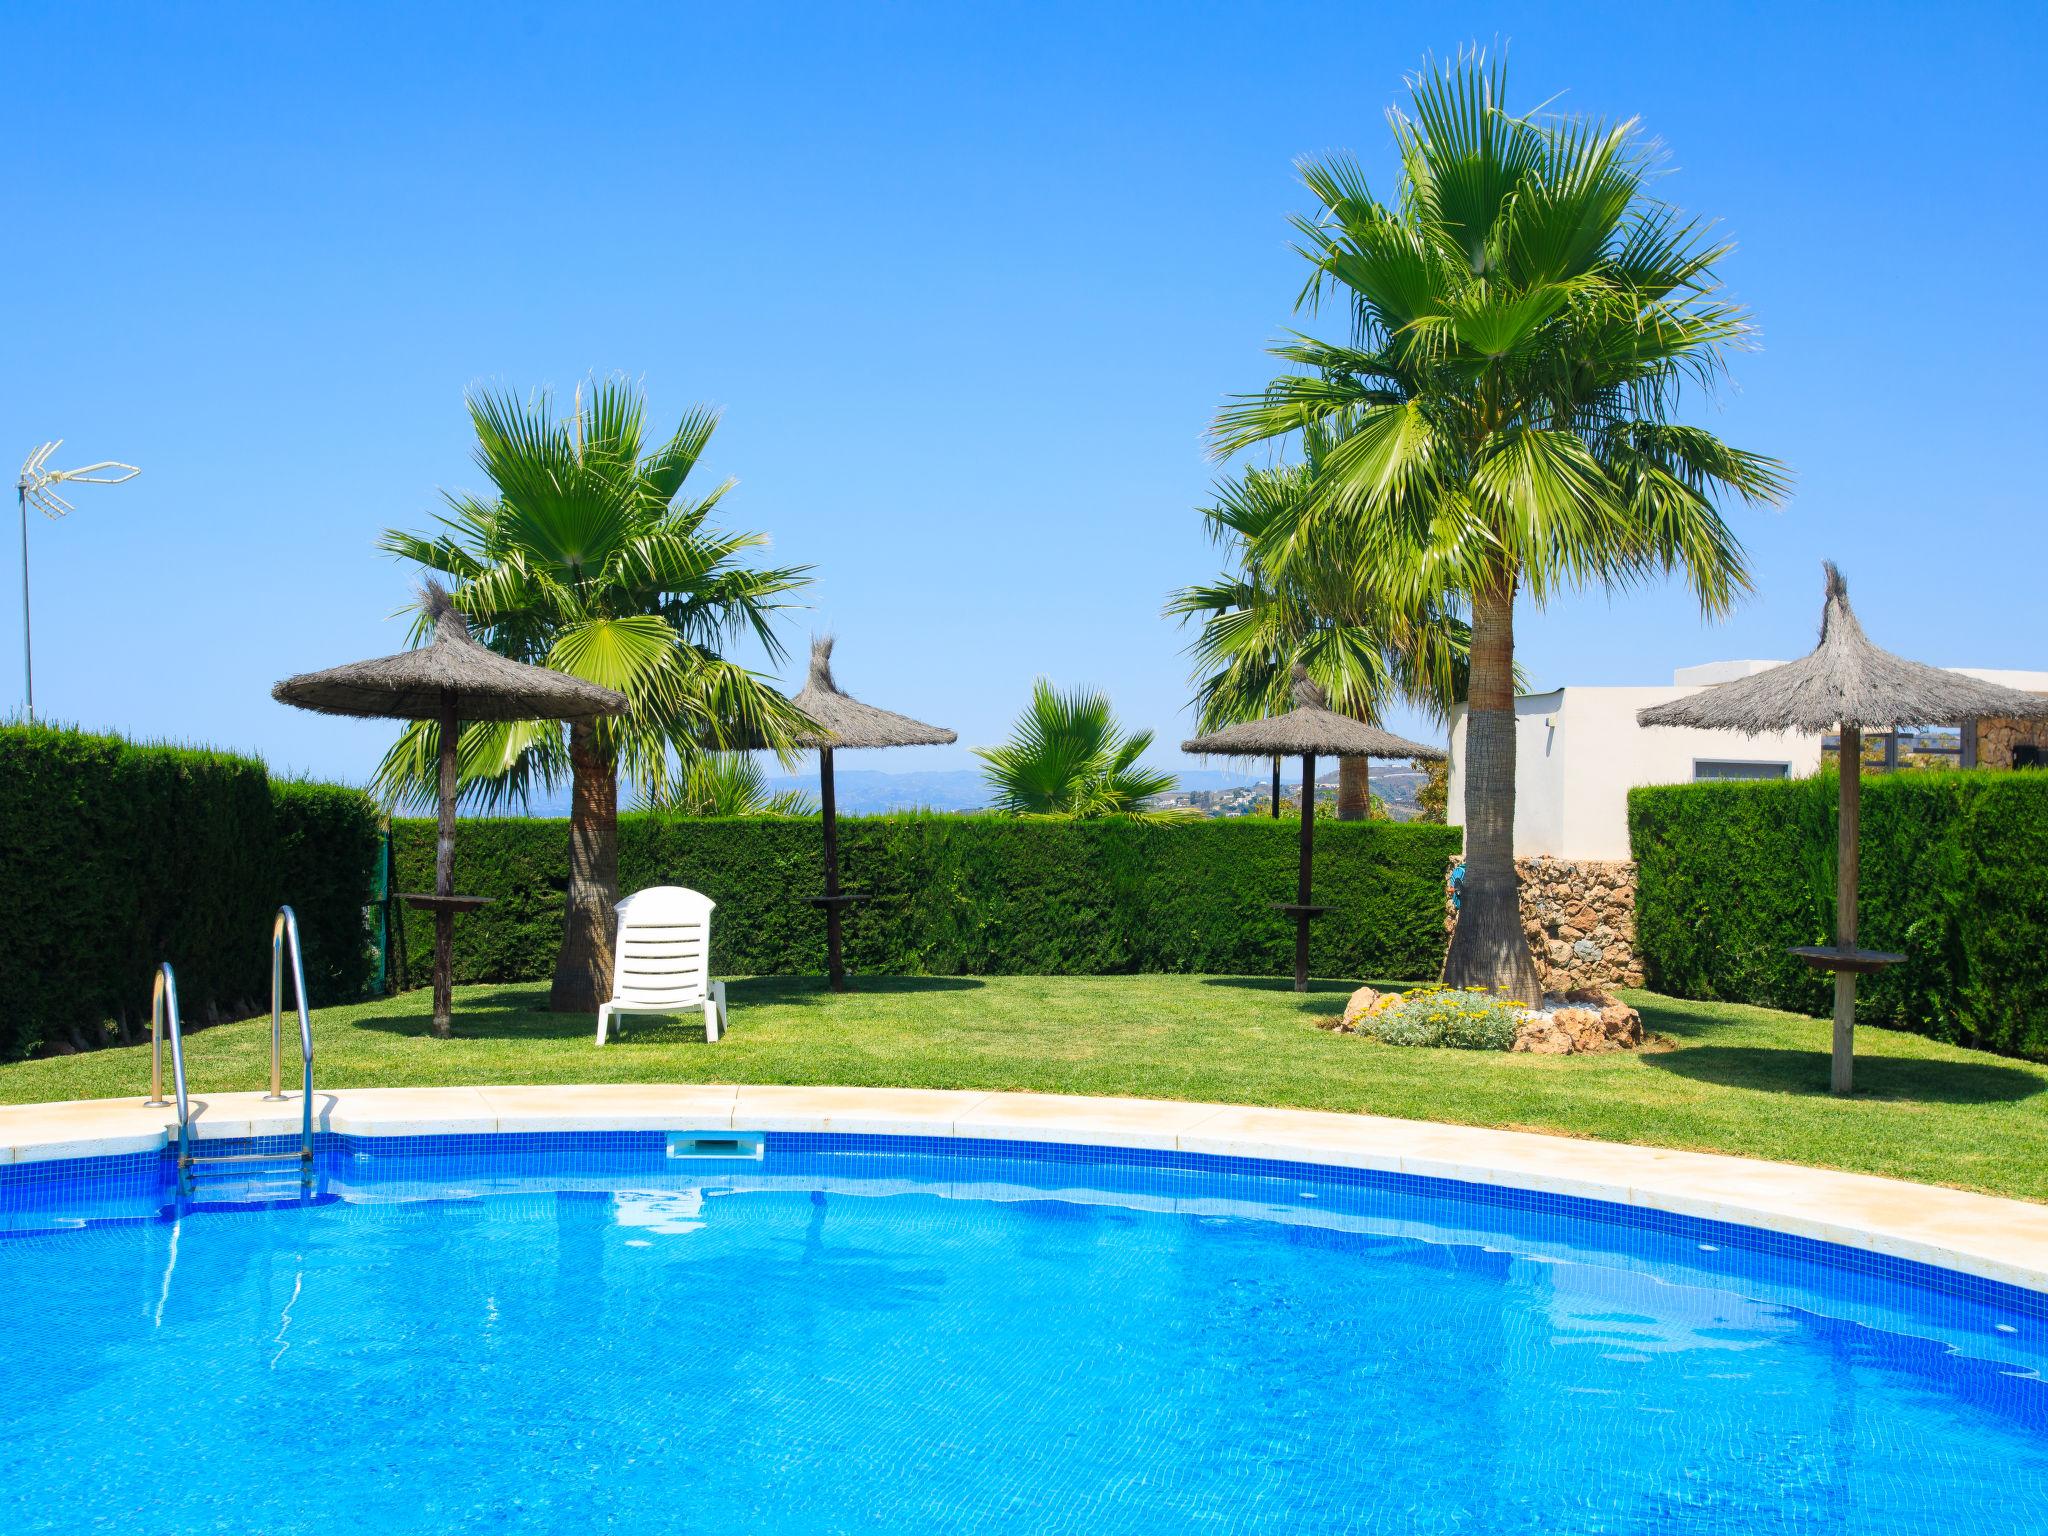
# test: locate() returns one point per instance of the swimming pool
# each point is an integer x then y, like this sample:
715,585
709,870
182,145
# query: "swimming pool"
646,1332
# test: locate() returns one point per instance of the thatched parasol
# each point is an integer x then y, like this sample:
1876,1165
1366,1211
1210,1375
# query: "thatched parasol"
1309,730
843,721
1845,684
450,680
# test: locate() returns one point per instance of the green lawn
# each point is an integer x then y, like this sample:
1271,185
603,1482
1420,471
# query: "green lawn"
1729,1079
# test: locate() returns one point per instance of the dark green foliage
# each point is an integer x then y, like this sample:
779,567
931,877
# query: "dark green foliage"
967,895
1954,875
119,855
328,844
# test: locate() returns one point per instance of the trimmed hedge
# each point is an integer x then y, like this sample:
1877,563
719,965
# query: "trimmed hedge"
1954,875
328,842
118,855
967,895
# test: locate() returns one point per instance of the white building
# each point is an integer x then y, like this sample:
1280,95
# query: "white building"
1579,751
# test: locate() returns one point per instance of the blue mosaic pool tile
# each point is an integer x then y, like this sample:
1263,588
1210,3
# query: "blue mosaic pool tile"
40,1196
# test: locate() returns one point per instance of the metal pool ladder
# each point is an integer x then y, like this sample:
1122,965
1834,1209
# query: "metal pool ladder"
163,1006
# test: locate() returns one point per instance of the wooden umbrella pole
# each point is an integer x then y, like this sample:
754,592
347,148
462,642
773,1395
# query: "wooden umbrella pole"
1847,844
1276,788
835,963
444,871
1301,885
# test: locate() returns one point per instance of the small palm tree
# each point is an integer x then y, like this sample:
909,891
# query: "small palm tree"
724,784
1523,315
1321,608
1067,756
589,557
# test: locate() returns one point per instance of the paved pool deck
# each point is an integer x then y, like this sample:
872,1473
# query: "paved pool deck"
1984,1235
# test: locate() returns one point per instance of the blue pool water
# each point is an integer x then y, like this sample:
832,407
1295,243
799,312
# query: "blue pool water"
583,1333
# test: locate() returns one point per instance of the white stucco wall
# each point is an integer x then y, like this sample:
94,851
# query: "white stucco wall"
1539,772
1609,754
1579,751
2026,682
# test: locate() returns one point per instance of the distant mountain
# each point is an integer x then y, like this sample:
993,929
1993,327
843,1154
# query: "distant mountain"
871,792
1397,783
1393,783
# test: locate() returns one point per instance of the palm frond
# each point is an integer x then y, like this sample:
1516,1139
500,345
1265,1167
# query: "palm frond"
1313,590
671,464
1067,756
500,765
722,784
589,556
1526,322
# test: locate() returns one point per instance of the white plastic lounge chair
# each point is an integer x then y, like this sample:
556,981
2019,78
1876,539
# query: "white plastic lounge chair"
662,961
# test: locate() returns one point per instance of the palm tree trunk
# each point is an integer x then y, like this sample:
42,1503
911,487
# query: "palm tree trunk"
1488,947
583,970
449,782
1354,789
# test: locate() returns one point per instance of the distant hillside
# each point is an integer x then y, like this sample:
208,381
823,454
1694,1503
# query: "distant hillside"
870,792
1394,783
873,792
1397,783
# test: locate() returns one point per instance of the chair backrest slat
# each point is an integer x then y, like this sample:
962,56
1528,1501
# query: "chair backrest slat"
664,946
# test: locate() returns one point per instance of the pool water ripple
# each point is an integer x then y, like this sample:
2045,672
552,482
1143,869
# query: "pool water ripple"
860,1336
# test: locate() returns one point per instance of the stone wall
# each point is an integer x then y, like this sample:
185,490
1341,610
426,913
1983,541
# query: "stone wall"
1580,916
1996,739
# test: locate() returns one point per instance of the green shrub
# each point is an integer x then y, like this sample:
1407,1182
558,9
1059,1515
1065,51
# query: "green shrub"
1730,876
1461,1018
119,855
328,844
986,895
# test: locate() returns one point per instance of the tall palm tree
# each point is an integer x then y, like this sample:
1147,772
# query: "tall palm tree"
1524,317
1067,756
1322,609
589,557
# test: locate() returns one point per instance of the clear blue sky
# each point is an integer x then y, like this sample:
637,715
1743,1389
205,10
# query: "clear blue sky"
969,281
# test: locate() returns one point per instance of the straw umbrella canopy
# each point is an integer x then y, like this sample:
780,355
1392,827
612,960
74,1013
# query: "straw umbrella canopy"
842,721
449,680
1850,685
1309,730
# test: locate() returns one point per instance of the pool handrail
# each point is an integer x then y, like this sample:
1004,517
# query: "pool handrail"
286,926
163,1003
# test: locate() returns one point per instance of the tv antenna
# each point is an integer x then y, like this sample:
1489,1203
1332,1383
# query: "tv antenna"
37,486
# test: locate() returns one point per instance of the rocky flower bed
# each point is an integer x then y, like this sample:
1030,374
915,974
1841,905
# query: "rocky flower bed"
1576,1023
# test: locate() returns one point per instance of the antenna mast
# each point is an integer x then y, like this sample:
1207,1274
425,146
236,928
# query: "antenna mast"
37,486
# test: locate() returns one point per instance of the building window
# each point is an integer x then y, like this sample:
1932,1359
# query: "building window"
1727,768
